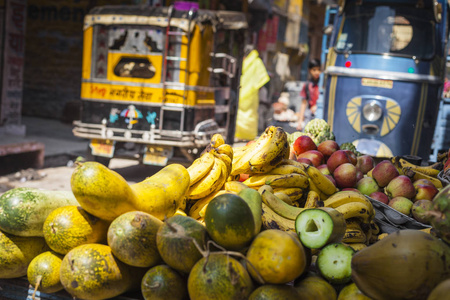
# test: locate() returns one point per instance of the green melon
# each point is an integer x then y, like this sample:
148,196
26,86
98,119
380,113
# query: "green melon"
163,283
43,272
229,221
271,292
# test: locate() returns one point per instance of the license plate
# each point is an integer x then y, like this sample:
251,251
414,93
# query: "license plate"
103,148
157,156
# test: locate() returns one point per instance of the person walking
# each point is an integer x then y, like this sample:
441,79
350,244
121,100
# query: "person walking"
309,95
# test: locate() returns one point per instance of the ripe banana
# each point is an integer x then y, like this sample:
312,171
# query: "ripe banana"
241,163
279,206
223,157
313,200
225,149
357,246
355,210
415,175
321,181
233,178
287,169
432,171
374,227
212,182
293,193
284,197
180,212
235,186
271,150
200,167
354,236
217,140
294,163
289,180
264,169
272,220
194,212
345,197
313,187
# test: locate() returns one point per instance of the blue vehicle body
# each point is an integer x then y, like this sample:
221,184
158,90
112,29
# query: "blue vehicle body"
384,75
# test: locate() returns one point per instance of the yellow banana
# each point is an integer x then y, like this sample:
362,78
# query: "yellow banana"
313,200
279,206
284,197
354,236
293,193
270,150
272,220
321,181
287,169
225,149
382,236
415,175
353,224
345,197
223,157
374,227
357,246
355,210
241,164
233,178
200,167
429,170
294,163
198,206
313,187
212,182
267,167
217,140
180,212
290,180
235,186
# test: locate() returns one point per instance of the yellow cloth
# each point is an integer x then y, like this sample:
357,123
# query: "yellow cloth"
254,76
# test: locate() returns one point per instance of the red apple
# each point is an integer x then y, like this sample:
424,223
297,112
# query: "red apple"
352,156
302,144
314,156
359,175
401,186
365,163
243,177
419,210
380,196
324,169
422,181
447,164
384,172
345,176
350,189
304,160
327,148
336,159
425,192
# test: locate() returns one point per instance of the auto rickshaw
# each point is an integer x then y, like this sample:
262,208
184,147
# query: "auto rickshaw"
158,82
384,73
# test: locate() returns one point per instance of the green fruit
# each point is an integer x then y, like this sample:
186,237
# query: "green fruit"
270,292
43,272
334,263
254,201
439,217
229,221
163,283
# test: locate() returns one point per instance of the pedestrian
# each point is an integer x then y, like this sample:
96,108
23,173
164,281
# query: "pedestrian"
283,116
309,95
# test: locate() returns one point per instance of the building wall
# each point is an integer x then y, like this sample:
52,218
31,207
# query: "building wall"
53,52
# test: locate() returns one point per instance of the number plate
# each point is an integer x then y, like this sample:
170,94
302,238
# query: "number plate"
157,156
103,148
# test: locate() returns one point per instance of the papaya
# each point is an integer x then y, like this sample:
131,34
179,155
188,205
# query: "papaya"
270,292
163,283
24,210
71,226
132,238
91,272
163,193
315,287
220,277
389,268
174,240
277,256
229,221
43,272
351,292
16,253
102,192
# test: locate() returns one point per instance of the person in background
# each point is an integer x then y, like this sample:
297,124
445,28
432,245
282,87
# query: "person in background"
309,95
283,116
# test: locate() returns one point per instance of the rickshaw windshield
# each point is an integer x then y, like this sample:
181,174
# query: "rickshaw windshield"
396,30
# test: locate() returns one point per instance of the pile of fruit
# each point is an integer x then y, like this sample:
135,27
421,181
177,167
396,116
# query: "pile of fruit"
275,219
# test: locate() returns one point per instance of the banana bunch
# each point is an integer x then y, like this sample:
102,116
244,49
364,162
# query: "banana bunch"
262,155
416,172
210,171
359,215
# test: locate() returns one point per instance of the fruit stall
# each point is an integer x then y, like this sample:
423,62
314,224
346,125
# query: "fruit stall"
287,216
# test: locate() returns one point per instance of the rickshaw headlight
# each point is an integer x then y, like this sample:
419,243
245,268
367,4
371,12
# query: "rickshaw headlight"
372,111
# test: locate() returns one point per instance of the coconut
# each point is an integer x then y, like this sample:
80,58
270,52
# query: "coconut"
439,217
389,268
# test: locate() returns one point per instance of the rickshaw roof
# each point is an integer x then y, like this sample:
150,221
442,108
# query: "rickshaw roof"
158,16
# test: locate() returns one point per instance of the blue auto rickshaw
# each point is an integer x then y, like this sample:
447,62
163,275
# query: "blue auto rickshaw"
384,73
